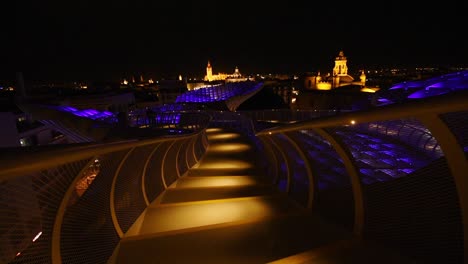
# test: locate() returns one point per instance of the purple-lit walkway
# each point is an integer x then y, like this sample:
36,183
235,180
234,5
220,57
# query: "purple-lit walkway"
223,212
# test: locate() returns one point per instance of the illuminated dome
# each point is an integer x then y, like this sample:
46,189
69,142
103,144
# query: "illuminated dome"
410,90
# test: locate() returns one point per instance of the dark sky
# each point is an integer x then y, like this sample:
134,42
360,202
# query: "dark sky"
82,39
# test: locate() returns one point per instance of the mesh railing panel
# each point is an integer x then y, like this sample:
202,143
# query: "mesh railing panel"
286,115
189,152
380,158
419,214
333,193
29,205
128,198
268,165
89,202
410,197
88,234
170,166
299,185
153,183
458,124
182,156
409,131
177,122
277,169
231,120
199,147
281,180
265,161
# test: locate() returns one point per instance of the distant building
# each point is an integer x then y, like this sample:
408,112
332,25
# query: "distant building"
336,90
234,77
20,130
338,78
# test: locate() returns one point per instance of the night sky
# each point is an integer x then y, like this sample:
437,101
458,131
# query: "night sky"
95,39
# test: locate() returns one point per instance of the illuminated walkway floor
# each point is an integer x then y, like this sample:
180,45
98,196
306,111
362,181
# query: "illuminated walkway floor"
223,212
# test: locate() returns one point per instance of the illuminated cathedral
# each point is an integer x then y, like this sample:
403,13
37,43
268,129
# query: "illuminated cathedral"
338,78
234,77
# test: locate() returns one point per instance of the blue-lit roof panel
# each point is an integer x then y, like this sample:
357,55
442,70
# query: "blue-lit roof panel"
410,90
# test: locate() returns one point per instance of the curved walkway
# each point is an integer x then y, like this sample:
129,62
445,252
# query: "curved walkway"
222,211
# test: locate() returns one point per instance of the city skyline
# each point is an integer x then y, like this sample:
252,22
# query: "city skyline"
86,40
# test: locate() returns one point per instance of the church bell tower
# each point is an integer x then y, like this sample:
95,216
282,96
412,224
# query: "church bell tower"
340,69
209,72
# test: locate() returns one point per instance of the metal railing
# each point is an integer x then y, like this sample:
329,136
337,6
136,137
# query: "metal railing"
191,120
73,203
287,115
395,174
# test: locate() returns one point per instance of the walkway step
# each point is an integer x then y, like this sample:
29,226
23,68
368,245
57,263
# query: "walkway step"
248,242
184,194
168,217
227,171
216,181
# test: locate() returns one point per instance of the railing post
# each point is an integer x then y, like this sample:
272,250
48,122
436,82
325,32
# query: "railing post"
194,148
310,174
115,221
162,164
177,160
353,172
143,175
275,161
286,160
190,150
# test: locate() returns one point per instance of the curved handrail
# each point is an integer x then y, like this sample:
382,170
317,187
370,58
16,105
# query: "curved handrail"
456,101
431,113
48,156
45,178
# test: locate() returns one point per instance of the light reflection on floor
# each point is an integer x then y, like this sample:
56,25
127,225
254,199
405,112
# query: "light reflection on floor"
194,214
213,130
220,164
223,136
215,181
230,147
